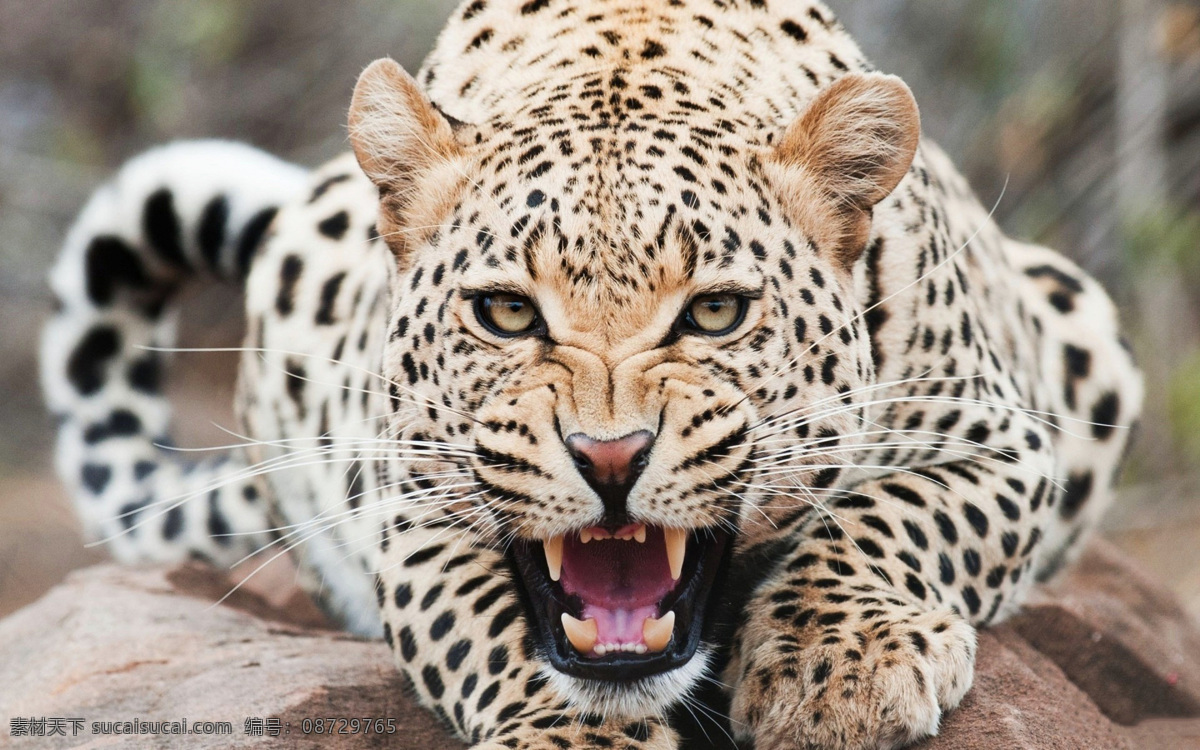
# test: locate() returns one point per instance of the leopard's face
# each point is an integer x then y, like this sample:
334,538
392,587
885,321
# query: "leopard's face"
637,364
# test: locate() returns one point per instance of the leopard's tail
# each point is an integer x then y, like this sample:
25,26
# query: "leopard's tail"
186,210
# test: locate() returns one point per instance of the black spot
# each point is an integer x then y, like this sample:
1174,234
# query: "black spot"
914,585
1008,507
329,293
1076,493
916,535
143,469
161,224
977,518
251,238
324,186
441,625
433,681
971,597
294,381
1009,541
946,527
403,595
473,10
423,555
110,264
901,492
86,365
869,547
173,523
488,695
877,523
120,423
794,30
431,596
128,513
652,50
533,6
978,433
503,619
972,562
907,558
145,374
289,274
995,576
1078,361
96,477
408,644
822,671
1062,302
497,660
919,642
945,569
211,234
218,527
1104,415
335,226
456,654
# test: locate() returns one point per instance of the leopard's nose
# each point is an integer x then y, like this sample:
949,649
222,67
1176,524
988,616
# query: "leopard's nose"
611,468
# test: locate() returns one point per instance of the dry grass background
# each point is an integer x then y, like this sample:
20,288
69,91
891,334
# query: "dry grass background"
1079,119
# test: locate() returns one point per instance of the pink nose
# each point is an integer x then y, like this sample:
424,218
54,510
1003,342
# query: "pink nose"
611,467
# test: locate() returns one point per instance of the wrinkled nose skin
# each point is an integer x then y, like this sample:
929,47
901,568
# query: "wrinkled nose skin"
611,468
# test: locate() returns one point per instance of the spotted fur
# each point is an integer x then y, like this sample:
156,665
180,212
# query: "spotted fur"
918,418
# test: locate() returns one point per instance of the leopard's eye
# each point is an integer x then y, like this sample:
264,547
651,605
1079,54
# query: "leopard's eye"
506,314
715,314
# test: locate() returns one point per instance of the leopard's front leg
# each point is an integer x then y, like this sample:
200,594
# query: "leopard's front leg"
865,634
453,620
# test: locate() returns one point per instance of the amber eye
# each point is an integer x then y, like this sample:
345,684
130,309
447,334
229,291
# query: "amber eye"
506,314
715,314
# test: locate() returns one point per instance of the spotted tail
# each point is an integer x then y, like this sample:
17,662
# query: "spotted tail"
191,209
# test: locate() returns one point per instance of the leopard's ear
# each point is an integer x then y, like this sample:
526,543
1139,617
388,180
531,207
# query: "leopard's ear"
402,142
846,152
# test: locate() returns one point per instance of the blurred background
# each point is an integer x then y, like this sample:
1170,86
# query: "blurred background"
1078,119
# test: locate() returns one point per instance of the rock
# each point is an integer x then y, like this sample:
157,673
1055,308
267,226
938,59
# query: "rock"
1104,659
1120,636
1022,700
119,644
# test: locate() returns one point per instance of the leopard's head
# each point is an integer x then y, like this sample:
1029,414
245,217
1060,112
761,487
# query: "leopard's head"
634,338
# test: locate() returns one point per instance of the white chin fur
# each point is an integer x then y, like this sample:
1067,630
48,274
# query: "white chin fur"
650,696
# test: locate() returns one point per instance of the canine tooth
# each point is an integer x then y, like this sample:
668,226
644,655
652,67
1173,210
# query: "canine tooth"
640,534
553,548
581,633
585,536
676,550
657,633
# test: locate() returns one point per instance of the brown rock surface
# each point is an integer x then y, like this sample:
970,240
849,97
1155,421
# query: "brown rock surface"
118,644
1104,660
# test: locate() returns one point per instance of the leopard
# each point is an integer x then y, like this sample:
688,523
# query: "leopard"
643,377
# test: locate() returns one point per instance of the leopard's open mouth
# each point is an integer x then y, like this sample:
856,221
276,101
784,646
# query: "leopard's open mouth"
620,604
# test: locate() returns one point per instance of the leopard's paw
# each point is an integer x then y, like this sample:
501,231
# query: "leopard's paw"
881,685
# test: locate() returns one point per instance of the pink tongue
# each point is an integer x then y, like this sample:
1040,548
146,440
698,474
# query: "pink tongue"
619,582
619,625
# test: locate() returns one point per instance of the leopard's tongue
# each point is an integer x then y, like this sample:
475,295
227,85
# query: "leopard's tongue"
620,584
619,629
